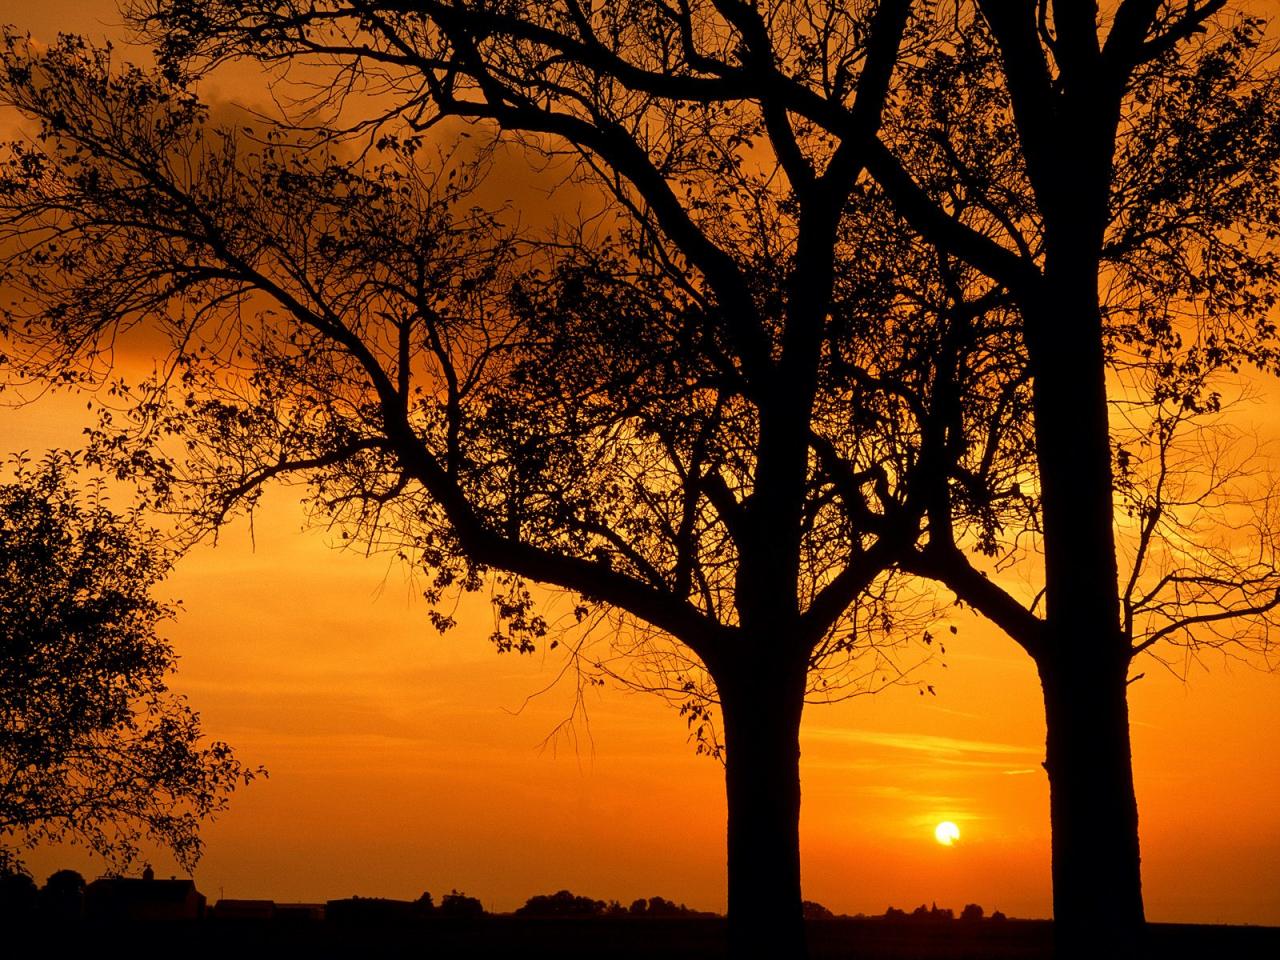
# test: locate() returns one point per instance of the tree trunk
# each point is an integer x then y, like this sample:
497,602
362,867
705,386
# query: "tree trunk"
1097,881
1097,887
761,712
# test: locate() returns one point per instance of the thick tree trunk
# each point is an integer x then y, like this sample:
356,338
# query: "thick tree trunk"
1097,881
761,713
1097,888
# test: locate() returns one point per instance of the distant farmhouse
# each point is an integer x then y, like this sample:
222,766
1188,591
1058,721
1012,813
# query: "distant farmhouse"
130,898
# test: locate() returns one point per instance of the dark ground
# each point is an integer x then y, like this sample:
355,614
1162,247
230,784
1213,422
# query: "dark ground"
626,939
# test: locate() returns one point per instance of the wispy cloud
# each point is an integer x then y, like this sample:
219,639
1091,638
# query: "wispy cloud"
939,747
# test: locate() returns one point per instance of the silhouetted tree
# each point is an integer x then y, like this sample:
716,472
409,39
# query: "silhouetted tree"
62,896
94,748
561,904
455,904
18,896
972,912
662,907
932,913
1056,144
710,426
1120,179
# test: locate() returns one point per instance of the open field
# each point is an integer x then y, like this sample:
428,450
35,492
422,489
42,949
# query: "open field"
839,939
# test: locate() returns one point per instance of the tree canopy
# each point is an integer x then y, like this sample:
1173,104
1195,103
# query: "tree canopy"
94,748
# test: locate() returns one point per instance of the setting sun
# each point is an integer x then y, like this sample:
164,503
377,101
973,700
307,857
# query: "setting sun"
946,833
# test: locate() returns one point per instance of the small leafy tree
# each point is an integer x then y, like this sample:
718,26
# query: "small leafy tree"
18,894
461,906
62,896
94,748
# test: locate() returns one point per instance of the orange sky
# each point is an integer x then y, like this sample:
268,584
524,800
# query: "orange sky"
401,761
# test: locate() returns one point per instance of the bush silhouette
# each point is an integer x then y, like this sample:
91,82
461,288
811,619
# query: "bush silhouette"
62,897
18,896
455,904
562,903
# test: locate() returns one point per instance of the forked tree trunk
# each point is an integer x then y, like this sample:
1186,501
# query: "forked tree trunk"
1097,880
761,717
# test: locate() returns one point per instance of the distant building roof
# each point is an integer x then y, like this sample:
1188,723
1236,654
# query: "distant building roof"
134,899
152,891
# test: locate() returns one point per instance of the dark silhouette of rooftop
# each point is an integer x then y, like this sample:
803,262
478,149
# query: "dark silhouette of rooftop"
143,898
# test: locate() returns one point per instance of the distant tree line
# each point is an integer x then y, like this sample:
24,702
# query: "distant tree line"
64,898
454,905
565,904
934,914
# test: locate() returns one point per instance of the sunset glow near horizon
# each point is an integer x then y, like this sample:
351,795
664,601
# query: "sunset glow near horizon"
402,761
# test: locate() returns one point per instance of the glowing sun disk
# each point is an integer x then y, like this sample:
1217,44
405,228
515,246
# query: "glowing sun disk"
946,833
